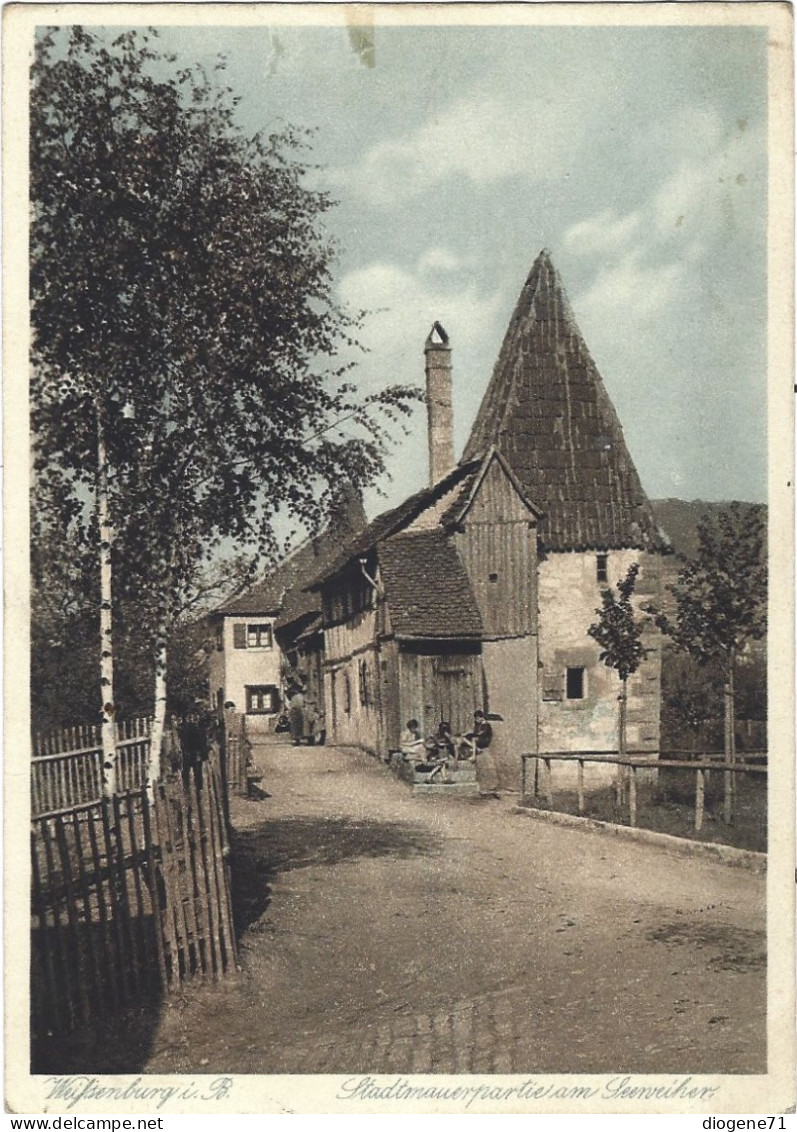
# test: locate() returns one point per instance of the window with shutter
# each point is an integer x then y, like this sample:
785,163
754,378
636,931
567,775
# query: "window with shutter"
239,636
552,686
261,699
258,636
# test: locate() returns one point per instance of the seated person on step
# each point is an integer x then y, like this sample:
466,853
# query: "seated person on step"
411,739
478,739
441,746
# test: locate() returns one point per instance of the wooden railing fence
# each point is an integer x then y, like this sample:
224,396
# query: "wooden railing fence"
66,769
637,760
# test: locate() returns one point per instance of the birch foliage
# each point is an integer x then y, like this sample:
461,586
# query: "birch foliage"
182,295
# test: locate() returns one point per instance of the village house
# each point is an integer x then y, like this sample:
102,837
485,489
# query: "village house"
267,636
547,411
477,591
431,613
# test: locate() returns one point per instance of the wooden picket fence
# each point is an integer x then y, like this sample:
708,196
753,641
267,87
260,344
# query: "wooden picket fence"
66,770
87,735
236,752
131,897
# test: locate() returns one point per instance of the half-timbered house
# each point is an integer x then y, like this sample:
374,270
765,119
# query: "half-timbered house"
479,590
431,613
547,411
271,633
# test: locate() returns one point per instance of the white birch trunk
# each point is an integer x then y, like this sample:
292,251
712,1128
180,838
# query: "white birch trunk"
109,753
159,720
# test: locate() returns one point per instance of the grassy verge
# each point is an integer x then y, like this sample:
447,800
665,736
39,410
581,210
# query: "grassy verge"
668,806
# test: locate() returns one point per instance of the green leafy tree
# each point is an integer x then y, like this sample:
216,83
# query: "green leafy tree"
691,702
64,632
619,633
720,600
186,389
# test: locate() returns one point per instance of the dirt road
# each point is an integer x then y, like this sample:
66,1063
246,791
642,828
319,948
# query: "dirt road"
393,933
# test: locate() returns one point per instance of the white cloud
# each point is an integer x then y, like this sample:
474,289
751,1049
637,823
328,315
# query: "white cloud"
700,197
628,289
483,138
647,259
439,259
605,232
403,305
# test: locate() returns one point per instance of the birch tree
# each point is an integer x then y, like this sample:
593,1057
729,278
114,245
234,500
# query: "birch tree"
186,387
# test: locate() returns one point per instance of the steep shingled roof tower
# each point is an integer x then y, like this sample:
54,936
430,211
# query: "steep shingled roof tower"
547,411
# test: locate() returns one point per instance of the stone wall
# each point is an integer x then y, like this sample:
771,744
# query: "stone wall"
510,671
569,597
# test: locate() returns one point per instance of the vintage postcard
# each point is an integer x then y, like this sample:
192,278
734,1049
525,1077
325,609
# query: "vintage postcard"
399,603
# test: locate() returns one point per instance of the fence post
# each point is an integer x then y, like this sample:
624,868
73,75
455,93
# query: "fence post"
581,786
632,796
700,799
727,805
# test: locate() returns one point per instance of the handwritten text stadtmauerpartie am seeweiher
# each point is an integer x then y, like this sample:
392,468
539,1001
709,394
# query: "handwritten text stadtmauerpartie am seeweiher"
613,1089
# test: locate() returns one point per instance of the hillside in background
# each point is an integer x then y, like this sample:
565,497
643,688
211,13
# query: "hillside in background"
679,518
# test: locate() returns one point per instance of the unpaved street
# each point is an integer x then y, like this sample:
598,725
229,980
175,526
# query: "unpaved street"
424,934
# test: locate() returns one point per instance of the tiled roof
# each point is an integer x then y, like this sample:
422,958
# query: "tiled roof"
547,411
264,597
282,592
455,485
427,588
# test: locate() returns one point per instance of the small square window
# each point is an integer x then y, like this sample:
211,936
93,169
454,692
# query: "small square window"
574,685
261,700
603,567
493,577
258,636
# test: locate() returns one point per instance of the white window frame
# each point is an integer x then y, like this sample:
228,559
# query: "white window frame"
256,628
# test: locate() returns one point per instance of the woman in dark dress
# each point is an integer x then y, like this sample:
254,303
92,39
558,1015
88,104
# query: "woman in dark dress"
296,716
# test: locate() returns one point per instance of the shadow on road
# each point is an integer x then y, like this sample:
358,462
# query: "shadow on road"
285,844
727,948
120,1044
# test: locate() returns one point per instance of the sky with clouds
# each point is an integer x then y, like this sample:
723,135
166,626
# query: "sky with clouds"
637,156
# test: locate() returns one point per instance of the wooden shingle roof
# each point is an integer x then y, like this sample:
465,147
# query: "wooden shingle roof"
457,484
427,587
547,411
282,592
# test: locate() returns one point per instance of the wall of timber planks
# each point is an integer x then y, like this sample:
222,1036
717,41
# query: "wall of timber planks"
441,686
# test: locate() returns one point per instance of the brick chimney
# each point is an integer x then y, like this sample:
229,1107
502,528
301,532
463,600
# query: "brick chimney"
439,407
